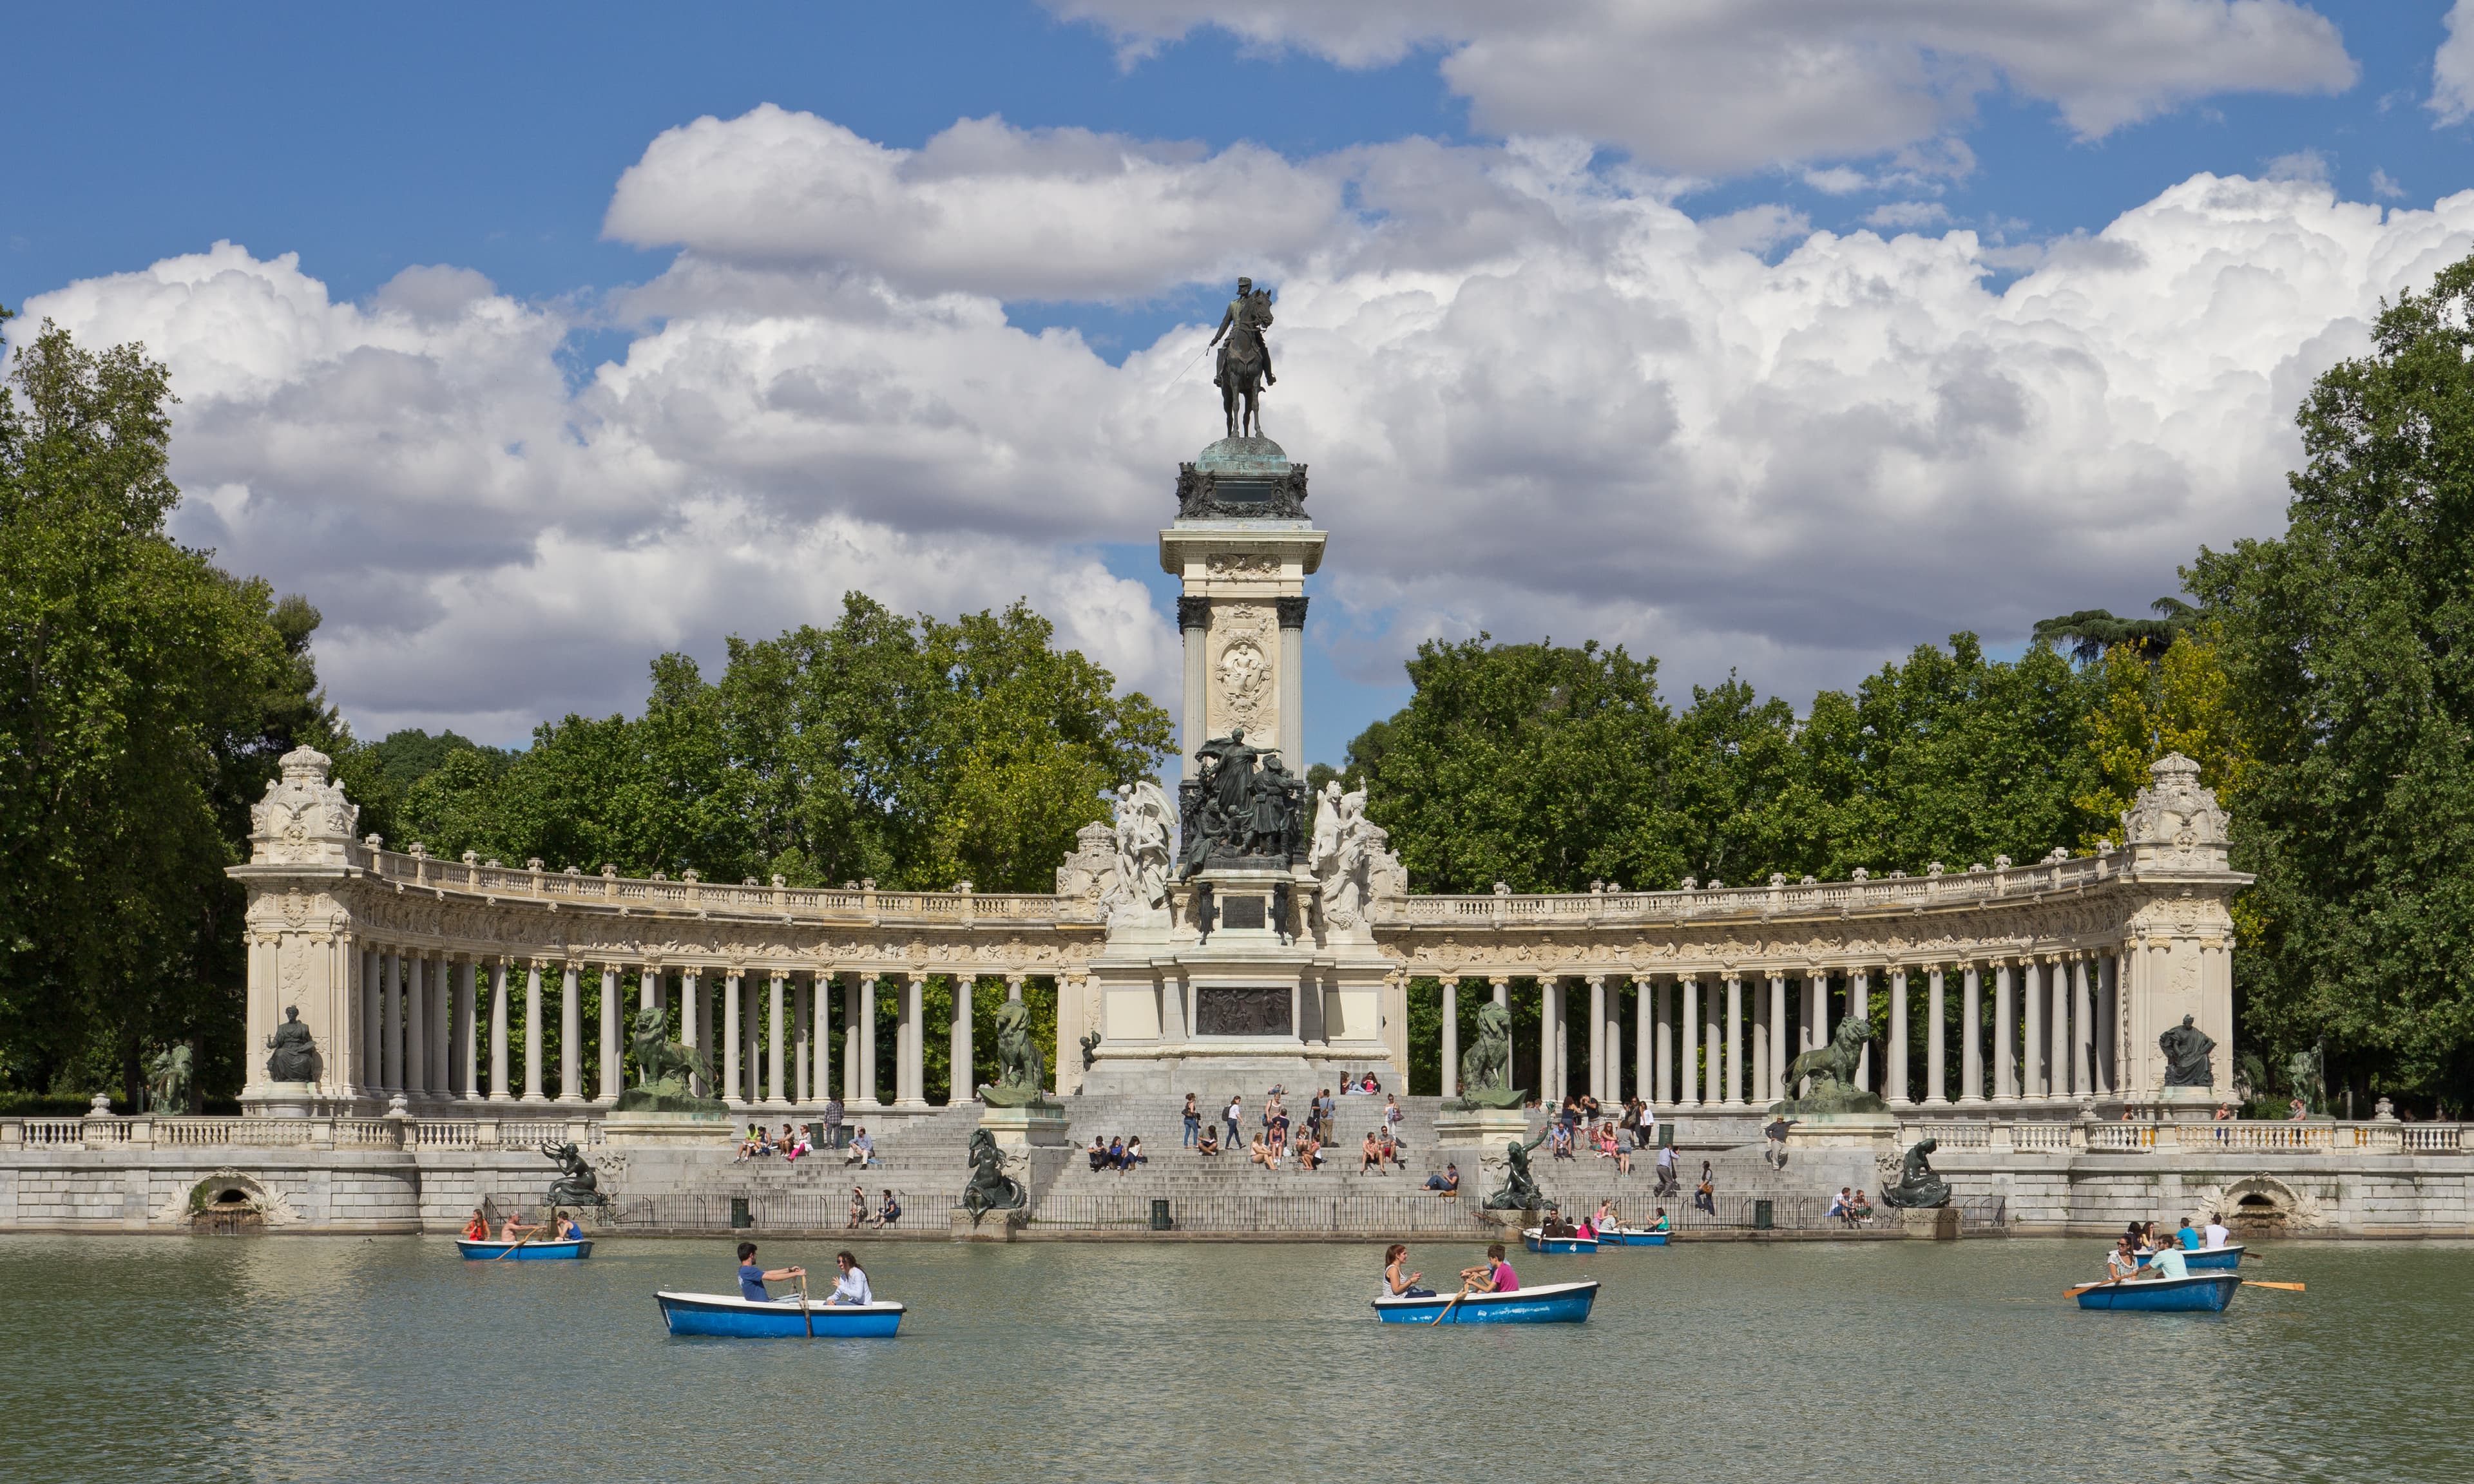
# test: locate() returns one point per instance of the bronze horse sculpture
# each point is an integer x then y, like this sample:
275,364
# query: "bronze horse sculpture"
1245,360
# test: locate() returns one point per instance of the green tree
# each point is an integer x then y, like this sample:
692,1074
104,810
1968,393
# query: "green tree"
145,698
2348,650
2091,631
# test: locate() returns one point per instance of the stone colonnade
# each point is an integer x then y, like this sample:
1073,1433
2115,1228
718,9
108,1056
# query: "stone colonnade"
2029,1028
436,1025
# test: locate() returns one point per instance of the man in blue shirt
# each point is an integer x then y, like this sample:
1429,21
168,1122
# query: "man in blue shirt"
2186,1238
752,1277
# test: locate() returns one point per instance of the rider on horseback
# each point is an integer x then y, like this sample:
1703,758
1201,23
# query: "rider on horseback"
1245,357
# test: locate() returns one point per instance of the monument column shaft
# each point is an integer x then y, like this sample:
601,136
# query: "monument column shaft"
1663,1044
1782,1050
1293,694
372,1067
1598,1041
1971,1035
1193,721
1452,1052
2031,1038
571,1034
1713,1046
695,997
390,1022
442,1006
2083,1022
611,995
1735,1038
1687,1083
1859,1002
1813,1019
2005,1033
733,1079
1644,1051
913,986
801,1056
1894,1080
2057,1029
2108,1024
468,1039
533,1032
498,1087
416,1028
1937,1033
774,1093
958,1049
863,1026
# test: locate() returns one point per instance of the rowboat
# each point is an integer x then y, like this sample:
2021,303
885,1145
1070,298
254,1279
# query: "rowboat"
1549,1303
1568,1246
569,1251
737,1318
2206,1258
2200,1293
1631,1236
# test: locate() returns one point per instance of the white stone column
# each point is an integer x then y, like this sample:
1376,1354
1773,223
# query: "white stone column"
1548,1092
734,1034
2005,1032
1894,1080
1859,1002
1451,1041
441,1043
1734,1041
2083,1027
775,1093
2031,1039
2057,1029
1936,1054
751,1049
858,1035
1292,617
1644,1048
571,1034
416,1027
914,1041
1502,986
499,1086
802,1049
1782,1051
1663,1044
466,1032
1971,1035
648,988
533,1032
613,1037
1193,723
1013,987
1598,1040
695,1002
1757,1042
372,1051
1813,1019
958,1047
2108,1021
822,988
1687,1055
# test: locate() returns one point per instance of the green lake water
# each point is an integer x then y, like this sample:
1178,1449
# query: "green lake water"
318,1358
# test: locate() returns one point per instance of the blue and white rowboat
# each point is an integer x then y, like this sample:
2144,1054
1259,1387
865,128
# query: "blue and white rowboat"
1568,1246
1549,1303
2204,1259
736,1318
1631,1236
527,1252
2200,1293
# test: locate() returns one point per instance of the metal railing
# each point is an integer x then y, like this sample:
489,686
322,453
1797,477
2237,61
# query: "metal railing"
754,1211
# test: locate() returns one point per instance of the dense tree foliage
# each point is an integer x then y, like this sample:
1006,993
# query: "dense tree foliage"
145,699
2348,650
914,753
1547,767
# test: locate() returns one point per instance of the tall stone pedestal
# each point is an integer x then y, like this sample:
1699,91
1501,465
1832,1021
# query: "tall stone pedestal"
1874,1132
1033,1126
1485,1129
280,1100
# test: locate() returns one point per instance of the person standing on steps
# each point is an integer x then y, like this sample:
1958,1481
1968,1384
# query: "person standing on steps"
1235,1116
1192,1117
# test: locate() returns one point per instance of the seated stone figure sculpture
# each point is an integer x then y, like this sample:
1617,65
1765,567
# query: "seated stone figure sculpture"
1918,1187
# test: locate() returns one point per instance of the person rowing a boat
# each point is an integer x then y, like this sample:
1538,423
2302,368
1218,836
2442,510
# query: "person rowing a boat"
752,1277
852,1286
512,1230
1492,1276
2166,1262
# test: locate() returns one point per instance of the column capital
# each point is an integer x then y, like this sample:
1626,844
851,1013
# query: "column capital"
1292,611
1192,612
1594,981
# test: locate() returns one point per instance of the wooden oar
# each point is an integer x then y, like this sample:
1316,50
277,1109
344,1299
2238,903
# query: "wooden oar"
2253,1282
1448,1308
804,1312
2072,1293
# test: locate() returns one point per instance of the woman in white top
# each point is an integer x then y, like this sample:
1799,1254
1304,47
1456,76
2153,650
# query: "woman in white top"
852,1286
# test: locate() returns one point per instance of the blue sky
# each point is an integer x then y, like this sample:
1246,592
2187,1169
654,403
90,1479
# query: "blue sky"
492,141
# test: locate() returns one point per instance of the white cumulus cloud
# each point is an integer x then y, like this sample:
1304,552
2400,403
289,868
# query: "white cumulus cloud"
2451,68
1731,85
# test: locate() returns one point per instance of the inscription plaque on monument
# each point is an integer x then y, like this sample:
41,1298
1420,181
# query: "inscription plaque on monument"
1241,912
1225,1009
